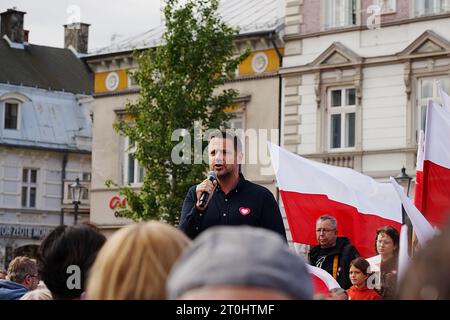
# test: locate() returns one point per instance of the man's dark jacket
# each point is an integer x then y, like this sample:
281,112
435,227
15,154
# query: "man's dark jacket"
345,251
247,204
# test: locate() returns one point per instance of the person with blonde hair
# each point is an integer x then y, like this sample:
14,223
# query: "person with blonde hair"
135,262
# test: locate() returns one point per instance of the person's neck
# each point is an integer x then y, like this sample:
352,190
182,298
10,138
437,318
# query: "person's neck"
329,246
386,258
360,286
229,182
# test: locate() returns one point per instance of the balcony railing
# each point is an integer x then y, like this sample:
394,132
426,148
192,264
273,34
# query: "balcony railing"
340,161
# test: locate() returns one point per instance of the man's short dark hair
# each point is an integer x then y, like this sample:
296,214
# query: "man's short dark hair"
228,134
68,246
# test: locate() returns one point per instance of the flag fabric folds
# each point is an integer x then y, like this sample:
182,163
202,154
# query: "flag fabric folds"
311,189
423,229
322,281
433,199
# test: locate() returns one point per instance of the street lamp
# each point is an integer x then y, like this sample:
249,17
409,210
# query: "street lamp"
77,192
404,180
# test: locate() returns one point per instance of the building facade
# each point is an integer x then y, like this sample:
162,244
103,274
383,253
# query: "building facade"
258,105
45,138
357,75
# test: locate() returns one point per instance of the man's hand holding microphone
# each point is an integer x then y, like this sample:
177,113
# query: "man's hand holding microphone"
205,191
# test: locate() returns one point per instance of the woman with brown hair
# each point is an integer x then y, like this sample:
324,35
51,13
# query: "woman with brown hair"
386,245
135,261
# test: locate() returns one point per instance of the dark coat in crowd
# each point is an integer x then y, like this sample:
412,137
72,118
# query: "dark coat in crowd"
324,258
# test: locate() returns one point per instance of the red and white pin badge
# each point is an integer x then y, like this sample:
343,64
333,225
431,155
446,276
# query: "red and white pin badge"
244,211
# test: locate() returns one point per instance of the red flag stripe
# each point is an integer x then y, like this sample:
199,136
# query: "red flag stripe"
436,203
302,211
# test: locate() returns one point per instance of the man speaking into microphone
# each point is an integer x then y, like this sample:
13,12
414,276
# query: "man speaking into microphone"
225,197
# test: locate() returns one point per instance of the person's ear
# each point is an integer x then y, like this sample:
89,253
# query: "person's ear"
28,280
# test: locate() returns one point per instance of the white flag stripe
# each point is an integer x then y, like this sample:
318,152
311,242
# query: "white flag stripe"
329,281
437,133
445,100
403,255
343,185
420,149
423,229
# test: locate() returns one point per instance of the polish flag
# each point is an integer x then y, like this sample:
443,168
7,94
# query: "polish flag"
418,187
422,228
310,189
436,166
322,281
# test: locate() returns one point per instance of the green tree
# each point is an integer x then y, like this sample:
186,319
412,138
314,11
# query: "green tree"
180,84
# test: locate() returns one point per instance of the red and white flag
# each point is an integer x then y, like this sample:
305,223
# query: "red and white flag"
310,189
322,281
418,187
423,229
435,200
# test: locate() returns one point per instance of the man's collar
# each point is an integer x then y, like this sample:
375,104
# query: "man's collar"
238,186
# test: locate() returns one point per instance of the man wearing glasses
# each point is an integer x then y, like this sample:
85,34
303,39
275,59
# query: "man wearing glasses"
333,254
21,277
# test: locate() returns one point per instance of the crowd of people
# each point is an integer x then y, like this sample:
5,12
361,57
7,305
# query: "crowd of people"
230,244
153,260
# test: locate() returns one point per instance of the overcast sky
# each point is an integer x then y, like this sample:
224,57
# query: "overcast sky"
124,18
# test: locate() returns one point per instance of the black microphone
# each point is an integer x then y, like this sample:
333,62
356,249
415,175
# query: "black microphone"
212,176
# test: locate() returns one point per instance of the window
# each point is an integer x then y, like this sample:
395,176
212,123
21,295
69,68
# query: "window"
134,172
342,118
340,13
387,6
430,7
429,89
131,81
86,176
11,115
29,188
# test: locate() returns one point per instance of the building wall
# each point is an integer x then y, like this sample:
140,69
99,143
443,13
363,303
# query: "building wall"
384,65
107,159
47,213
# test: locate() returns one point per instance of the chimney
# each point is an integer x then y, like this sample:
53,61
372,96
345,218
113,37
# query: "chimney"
26,35
12,25
76,35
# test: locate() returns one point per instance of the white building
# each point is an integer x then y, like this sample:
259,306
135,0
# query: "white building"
355,92
45,138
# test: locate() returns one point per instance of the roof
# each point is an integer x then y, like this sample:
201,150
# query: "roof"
250,16
44,67
52,120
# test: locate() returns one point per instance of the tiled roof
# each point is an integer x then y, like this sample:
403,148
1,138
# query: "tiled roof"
250,16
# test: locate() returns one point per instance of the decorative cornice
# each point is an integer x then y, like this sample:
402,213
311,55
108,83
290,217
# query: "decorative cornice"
364,28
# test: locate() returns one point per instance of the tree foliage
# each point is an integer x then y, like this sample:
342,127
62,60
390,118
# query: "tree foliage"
179,84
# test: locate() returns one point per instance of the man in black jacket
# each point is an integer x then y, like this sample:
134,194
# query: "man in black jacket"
333,254
233,200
